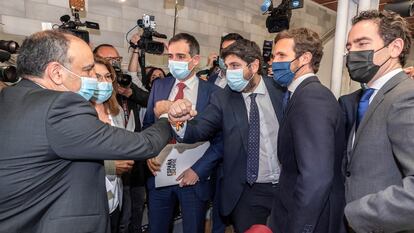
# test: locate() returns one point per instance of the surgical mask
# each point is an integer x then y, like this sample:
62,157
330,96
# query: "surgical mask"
88,85
236,81
103,92
282,73
179,69
361,67
221,63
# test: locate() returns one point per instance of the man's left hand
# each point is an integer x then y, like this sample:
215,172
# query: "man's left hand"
188,177
125,91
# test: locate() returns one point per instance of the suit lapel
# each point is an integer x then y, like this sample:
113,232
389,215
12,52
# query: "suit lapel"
297,92
202,95
240,114
379,97
164,90
276,96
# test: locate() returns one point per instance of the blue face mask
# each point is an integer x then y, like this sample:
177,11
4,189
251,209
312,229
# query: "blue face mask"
179,69
236,81
221,64
103,92
88,85
282,73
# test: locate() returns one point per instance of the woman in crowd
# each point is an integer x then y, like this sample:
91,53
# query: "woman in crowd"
110,112
152,74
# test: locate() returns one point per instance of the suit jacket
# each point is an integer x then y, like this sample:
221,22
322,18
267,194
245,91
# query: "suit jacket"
379,173
51,169
310,150
349,106
227,113
213,77
161,90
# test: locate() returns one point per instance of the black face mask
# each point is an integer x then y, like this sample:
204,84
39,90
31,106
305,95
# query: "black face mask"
361,65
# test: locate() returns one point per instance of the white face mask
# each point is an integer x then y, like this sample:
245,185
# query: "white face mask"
88,85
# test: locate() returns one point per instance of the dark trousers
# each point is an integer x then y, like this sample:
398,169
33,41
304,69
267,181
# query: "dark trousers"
114,218
161,202
138,194
254,206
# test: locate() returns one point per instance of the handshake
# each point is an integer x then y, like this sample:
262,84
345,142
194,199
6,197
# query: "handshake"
178,111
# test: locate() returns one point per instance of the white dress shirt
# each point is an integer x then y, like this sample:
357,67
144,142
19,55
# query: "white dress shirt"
269,167
190,90
380,82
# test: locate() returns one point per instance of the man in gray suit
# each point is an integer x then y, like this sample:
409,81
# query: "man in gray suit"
52,142
380,156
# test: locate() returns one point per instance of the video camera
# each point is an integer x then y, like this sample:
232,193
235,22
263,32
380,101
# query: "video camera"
8,72
146,43
73,26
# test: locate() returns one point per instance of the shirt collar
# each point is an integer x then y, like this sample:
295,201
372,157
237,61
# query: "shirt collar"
260,89
380,82
295,83
189,83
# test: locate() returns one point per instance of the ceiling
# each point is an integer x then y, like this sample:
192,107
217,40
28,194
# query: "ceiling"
333,4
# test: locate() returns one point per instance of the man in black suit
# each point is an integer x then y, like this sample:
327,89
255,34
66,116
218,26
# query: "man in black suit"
248,113
52,142
310,140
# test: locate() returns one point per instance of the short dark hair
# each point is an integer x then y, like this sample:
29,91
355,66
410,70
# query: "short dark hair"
41,48
95,51
390,27
246,50
190,40
305,40
231,36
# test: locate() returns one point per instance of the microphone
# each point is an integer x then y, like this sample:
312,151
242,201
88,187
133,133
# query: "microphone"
266,6
4,56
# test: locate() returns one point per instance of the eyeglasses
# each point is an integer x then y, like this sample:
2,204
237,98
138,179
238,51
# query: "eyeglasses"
105,77
112,59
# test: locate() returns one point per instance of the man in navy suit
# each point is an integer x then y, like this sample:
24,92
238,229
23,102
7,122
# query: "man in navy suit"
311,140
194,189
247,112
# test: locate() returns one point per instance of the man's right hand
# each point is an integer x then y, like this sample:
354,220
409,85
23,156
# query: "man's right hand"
123,166
135,38
180,111
153,165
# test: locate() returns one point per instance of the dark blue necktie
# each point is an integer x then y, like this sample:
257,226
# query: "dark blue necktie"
253,148
363,104
285,101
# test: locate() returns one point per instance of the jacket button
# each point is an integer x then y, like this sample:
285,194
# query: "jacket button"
348,174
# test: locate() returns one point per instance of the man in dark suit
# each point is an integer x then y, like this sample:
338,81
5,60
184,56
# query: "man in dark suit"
195,187
53,144
310,140
248,113
218,77
380,164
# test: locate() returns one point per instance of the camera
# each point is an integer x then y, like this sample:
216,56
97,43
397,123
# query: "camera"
9,46
146,43
124,80
73,26
8,72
